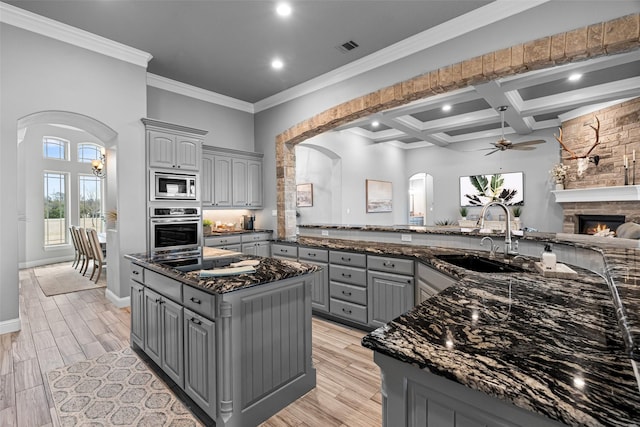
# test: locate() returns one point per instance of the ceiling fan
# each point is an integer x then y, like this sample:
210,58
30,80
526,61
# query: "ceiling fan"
504,144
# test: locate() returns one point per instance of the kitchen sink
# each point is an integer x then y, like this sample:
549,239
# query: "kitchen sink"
479,264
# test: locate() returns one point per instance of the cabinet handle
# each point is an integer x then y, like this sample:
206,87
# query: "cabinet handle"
346,311
346,293
195,300
136,272
346,275
345,259
158,300
196,321
178,166
389,264
223,241
284,250
139,290
310,254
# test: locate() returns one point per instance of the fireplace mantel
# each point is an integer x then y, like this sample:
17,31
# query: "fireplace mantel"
623,193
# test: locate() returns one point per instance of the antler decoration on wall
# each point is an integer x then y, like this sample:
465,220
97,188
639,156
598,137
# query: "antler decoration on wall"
583,161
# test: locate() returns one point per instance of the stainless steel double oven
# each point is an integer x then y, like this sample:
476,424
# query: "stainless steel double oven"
175,232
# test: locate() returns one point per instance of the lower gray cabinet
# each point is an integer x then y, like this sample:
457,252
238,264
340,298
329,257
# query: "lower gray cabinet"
257,248
200,361
320,290
389,295
137,313
163,334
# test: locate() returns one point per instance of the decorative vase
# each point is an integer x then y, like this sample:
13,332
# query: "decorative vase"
206,230
559,186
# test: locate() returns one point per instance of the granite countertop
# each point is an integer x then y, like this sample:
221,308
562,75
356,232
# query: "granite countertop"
269,270
555,347
218,233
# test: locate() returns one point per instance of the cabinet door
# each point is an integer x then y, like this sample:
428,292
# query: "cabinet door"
388,296
137,314
254,183
188,153
222,181
172,346
320,289
162,150
263,249
200,361
152,326
249,249
240,182
206,180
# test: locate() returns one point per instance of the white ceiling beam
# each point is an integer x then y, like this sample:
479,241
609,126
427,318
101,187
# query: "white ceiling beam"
455,97
495,96
411,131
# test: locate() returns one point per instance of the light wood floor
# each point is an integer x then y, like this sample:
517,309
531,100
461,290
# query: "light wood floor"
63,329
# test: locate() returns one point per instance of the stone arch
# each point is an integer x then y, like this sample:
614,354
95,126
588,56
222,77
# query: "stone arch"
605,38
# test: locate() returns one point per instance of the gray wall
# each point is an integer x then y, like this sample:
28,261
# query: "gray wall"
228,128
557,16
39,74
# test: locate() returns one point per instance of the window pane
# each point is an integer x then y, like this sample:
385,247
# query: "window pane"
90,203
55,214
88,152
54,148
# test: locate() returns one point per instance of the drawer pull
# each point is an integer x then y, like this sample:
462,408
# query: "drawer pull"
158,300
310,254
346,293
389,264
195,300
140,290
345,259
346,275
136,272
223,241
196,321
284,250
346,311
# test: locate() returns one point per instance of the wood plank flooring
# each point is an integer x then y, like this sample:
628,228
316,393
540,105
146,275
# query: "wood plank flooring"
63,329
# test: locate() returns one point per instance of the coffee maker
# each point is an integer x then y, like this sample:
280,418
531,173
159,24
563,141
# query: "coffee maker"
248,221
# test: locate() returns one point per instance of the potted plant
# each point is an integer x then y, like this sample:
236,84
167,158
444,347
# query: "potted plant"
463,212
206,227
516,211
559,173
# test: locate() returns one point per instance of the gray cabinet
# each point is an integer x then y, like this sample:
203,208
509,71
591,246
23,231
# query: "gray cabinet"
430,282
235,179
348,286
279,250
390,288
173,151
137,313
163,334
200,361
258,244
320,289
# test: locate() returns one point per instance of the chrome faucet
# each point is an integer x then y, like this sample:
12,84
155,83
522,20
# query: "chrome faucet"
492,248
507,236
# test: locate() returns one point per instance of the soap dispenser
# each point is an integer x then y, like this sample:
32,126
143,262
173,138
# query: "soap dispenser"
548,259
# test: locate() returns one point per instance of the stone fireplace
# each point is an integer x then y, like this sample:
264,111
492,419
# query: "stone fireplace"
592,224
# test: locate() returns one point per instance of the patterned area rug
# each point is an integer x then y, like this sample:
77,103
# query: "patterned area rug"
61,278
115,389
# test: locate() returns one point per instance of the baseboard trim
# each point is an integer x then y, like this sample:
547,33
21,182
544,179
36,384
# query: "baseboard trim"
116,300
47,261
9,326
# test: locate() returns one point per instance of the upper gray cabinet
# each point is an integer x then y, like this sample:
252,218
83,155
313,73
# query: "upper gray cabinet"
171,146
231,179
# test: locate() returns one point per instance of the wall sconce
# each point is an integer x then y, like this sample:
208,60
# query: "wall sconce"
98,166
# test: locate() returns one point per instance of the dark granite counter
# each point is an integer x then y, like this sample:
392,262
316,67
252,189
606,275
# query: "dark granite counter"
269,270
551,346
221,232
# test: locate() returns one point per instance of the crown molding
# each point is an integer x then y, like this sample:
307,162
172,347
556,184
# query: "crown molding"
56,30
198,93
481,17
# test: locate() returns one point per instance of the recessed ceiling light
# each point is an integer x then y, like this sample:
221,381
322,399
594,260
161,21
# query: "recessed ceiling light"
283,9
277,64
575,77
375,123
446,107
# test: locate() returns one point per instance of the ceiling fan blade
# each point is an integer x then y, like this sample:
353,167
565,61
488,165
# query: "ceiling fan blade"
536,141
522,148
491,152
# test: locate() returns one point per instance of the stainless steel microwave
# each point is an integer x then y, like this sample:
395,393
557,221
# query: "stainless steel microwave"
173,186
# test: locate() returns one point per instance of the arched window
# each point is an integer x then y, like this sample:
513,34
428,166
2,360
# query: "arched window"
88,151
54,148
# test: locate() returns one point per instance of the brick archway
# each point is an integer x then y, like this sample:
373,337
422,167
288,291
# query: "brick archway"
606,38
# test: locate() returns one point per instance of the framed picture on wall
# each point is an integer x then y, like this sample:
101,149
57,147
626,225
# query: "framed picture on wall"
379,196
478,190
304,195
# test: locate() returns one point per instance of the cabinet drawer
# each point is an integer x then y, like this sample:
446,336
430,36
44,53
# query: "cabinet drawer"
354,276
163,285
348,310
287,251
309,254
137,273
350,293
392,265
199,301
255,237
348,258
222,240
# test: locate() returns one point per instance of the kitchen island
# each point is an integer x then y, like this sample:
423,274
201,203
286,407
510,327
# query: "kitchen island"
508,348
239,345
